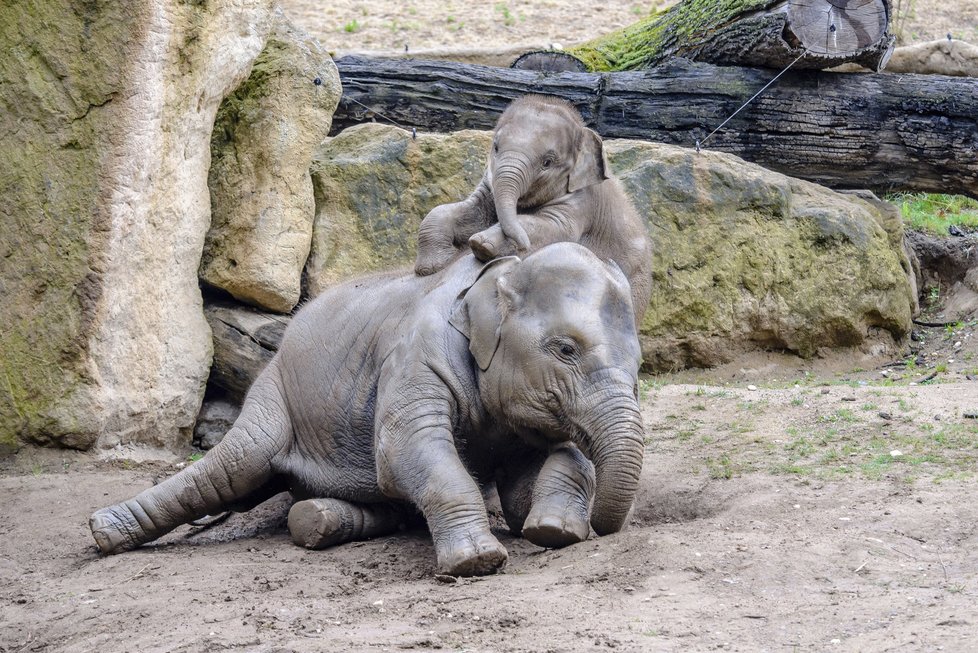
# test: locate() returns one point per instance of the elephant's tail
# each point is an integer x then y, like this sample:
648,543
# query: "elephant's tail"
233,473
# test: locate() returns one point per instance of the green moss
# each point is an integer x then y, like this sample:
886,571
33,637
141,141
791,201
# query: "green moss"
644,43
374,184
936,213
60,70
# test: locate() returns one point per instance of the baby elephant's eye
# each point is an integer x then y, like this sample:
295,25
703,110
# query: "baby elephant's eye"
548,162
567,350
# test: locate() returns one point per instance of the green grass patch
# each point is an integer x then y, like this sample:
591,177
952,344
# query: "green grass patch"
936,213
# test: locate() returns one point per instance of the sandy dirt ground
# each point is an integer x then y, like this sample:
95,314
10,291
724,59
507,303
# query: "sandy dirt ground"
785,505
781,508
350,25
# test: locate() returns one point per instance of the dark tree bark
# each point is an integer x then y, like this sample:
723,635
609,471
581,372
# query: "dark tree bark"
878,131
245,339
771,33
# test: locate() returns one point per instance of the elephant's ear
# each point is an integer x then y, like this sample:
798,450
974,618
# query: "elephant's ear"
478,313
591,167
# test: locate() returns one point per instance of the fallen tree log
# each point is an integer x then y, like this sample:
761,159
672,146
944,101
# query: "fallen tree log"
878,131
770,33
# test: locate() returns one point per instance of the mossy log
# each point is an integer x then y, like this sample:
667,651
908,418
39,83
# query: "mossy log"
770,33
879,131
245,339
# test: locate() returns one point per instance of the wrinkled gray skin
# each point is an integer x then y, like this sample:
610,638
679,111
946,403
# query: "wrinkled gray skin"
547,181
394,391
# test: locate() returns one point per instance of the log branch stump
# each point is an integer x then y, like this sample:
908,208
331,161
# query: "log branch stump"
768,33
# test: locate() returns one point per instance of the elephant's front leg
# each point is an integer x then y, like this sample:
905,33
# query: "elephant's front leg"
443,233
550,502
417,461
548,226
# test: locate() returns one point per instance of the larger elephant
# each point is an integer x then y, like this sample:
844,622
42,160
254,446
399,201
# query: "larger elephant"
398,390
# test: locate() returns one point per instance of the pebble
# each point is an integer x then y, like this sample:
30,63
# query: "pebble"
896,453
825,391
971,414
752,388
885,415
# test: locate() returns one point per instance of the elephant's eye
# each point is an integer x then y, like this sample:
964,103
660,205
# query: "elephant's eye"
564,348
549,161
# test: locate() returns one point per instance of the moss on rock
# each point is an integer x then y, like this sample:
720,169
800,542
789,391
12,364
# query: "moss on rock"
744,258
374,184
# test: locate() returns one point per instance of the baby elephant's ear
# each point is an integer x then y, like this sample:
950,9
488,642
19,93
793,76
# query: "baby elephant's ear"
591,166
478,314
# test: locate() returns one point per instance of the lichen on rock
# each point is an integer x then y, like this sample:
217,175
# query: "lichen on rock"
106,110
743,258
262,202
374,183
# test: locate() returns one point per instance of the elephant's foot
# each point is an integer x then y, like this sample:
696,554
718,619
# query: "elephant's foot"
433,261
490,243
556,527
116,529
321,523
472,556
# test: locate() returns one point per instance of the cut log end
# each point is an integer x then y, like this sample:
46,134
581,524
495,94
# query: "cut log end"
550,61
837,27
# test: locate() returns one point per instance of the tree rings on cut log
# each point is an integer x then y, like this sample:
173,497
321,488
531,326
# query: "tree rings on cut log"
549,61
837,27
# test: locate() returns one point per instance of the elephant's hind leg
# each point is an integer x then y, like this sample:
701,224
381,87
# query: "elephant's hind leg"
321,523
231,474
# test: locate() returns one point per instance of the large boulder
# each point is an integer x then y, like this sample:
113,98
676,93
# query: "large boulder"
106,110
374,183
744,258
262,202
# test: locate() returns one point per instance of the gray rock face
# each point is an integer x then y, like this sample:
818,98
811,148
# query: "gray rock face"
261,192
106,112
744,258
374,183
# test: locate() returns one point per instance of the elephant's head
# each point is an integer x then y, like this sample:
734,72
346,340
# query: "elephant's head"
541,150
555,342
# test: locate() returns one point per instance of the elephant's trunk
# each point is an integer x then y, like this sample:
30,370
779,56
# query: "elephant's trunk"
613,437
510,181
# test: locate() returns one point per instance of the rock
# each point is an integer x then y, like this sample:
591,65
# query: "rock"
744,258
374,183
245,340
106,112
261,192
941,57
214,421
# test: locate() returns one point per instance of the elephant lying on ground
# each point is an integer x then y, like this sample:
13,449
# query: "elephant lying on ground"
547,181
396,391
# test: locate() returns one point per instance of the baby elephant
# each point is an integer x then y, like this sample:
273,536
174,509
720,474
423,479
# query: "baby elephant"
547,181
397,392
